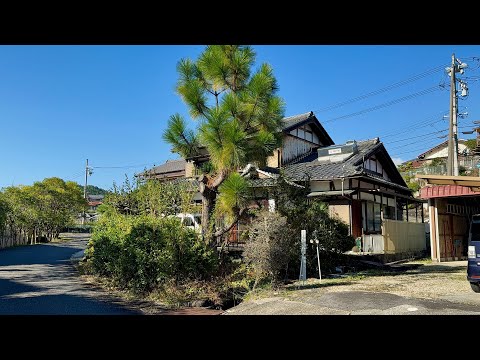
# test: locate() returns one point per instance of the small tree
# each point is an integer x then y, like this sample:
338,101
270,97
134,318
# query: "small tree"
42,209
269,246
151,197
471,144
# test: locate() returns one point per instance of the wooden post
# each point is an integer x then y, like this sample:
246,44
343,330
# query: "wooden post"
423,217
406,209
396,207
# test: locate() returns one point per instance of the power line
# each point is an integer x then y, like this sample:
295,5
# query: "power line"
427,143
428,121
414,125
389,103
412,143
414,137
75,175
382,90
422,135
414,150
410,128
122,167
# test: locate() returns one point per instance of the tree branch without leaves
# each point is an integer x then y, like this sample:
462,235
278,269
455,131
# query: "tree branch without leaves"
229,227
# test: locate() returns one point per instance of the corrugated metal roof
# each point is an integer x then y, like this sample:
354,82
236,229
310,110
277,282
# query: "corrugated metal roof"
441,191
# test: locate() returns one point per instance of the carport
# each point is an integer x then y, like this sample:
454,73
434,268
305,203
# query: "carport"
452,200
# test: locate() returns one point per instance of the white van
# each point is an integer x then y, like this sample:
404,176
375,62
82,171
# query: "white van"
192,221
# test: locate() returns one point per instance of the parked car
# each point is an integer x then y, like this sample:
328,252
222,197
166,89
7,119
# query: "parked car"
473,269
192,221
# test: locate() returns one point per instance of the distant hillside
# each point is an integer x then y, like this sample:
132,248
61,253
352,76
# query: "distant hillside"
94,190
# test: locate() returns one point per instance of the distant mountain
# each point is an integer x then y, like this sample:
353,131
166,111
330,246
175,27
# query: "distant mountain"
94,190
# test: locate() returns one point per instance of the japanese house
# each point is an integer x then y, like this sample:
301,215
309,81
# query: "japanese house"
358,180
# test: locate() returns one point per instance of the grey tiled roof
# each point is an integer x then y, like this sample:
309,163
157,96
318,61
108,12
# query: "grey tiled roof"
311,169
291,121
262,182
95,197
271,170
169,166
193,184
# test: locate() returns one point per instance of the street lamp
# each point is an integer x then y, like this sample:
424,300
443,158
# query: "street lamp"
315,240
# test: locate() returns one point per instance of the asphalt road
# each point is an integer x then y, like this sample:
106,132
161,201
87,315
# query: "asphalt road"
41,280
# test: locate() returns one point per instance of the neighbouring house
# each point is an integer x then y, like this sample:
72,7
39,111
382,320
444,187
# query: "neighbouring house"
177,171
441,151
172,169
433,161
358,180
93,202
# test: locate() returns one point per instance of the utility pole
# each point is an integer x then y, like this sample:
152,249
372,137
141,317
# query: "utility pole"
455,130
457,66
86,180
451,128
85,190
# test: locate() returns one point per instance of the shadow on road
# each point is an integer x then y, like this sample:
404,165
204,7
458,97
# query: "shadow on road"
17,298
48,254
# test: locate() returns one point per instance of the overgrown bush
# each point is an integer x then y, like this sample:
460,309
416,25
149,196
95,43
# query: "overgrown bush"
311,215
269,247
331,232
142,252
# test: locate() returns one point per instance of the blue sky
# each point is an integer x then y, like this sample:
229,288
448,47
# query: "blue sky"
60,105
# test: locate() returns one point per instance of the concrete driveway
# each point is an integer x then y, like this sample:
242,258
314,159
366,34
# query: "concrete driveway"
427,289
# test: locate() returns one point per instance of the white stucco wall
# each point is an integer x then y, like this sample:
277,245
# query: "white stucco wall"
443,152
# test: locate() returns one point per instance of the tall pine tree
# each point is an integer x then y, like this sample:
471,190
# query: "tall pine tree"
238,120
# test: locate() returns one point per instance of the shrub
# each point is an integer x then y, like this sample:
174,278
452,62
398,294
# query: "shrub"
142,252
269,246
105,245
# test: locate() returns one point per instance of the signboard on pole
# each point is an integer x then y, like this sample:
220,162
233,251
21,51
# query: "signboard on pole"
303,238
303,258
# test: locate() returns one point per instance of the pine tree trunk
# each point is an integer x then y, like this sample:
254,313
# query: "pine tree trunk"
208,190
208,203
